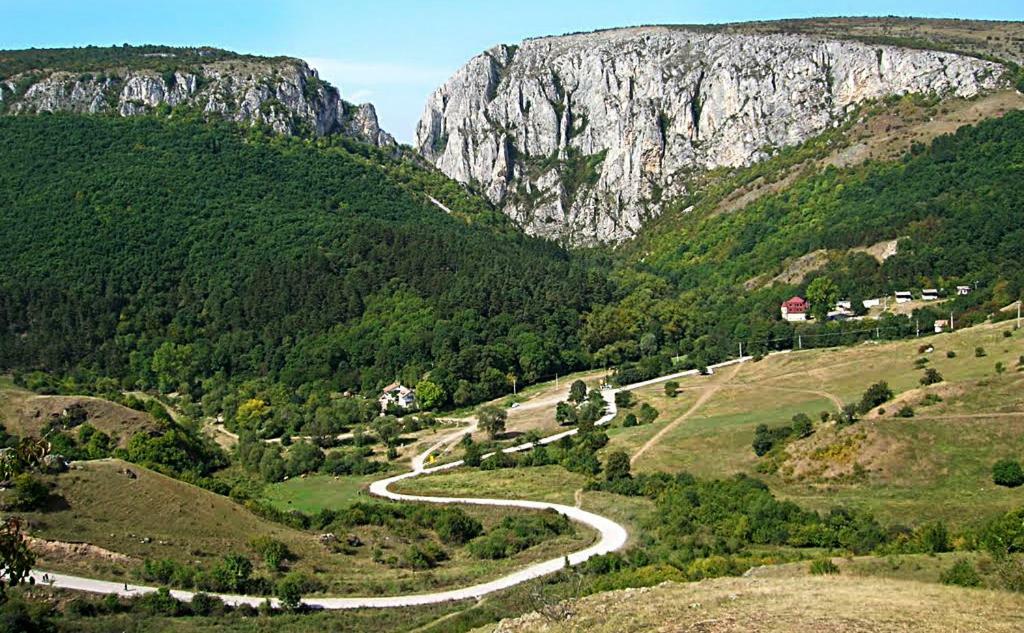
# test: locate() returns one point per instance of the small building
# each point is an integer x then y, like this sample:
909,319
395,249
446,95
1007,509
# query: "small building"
795,309
903,296
871,303
941,326
963,291
844,304
929,294
397,395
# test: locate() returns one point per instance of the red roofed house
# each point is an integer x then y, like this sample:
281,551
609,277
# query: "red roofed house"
795,309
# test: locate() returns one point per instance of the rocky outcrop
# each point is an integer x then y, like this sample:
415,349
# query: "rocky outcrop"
582,137
284,94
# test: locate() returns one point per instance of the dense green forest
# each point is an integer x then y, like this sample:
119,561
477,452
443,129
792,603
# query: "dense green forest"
187,256
105,58
229,264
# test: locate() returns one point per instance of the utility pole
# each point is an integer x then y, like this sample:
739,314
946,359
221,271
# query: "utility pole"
917,327
1018,312
799,341
741,348
951,327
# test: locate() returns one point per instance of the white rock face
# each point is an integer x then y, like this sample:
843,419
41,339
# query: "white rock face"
284,94
580,137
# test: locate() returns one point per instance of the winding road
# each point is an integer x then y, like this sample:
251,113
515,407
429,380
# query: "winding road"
612,535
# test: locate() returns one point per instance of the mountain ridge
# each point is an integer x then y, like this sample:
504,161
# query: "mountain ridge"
581,137
282,93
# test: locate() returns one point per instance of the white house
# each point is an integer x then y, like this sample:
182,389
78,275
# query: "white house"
844,304
397,394
929,294
903,296
872,303
963,290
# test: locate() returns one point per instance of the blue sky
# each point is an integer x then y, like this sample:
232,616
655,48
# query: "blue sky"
393,53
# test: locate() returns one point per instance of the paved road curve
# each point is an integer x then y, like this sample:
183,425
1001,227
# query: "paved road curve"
612,535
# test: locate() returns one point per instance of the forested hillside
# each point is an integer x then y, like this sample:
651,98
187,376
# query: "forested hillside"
956,207
189,256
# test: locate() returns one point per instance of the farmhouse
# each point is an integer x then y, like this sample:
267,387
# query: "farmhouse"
396,395
903,296
795,309
929,294
871,303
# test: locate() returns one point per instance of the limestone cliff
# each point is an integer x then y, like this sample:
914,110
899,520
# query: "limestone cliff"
282,93
581,137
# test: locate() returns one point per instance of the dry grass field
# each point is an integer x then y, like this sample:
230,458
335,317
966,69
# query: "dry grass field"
836,604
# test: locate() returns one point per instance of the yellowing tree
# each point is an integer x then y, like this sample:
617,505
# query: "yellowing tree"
250,414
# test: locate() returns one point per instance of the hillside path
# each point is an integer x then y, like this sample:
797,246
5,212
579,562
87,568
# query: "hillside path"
705,395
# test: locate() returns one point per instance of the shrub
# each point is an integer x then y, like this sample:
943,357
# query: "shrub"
930,399
517,533
647,414
671,387
616,466
289,591
962,574
906,411
931,376
1004,535
875,395
578,391
950,354
823,566
272,551
472,456
766,438
802,425
159,602
630,420
205,605
1008,473
30,493
424,556
979,352
565,414
624,399
1007,333
762,440
934,538
456,527
848,415
1000,368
